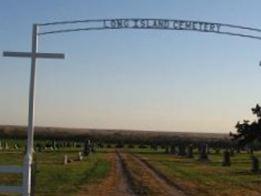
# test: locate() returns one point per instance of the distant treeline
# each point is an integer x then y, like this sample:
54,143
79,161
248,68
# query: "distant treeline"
113,135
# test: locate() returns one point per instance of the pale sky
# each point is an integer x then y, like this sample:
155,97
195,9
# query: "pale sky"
132,79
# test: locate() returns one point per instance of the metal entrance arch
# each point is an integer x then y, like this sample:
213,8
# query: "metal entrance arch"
39,29
152,24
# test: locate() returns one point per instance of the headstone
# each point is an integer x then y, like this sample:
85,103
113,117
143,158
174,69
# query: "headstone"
65,160
121,145
68,145
16,147
255,164
54,145
70,160
6,146
190,152
130,146
226,158
199,149
232,152
58,145
173,149
78,145
92,147
80,157
167,149
250,150
142,146
87,148
181,150
25,148
207,149
47,146
39,147
238,150
203,152
154,147
1,148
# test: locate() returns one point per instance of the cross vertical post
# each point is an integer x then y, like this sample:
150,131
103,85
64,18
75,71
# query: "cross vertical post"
28,159
30,132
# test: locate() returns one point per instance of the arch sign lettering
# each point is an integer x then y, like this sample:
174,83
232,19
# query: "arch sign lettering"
161,24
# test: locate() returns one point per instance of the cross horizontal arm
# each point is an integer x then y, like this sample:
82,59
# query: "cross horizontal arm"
38,55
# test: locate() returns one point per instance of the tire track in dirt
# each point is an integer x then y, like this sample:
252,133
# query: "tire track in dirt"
159,174
114,184
146,181
124,185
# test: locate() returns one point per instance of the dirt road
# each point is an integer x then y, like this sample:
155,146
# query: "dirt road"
115,184
148,181
130,175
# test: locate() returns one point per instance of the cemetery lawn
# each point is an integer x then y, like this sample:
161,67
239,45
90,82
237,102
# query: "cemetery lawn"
55,178
189,175
206,178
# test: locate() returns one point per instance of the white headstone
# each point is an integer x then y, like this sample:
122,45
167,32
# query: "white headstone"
65,160
6,146
80,157
16,147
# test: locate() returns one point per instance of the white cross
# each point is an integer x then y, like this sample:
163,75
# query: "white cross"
30,132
